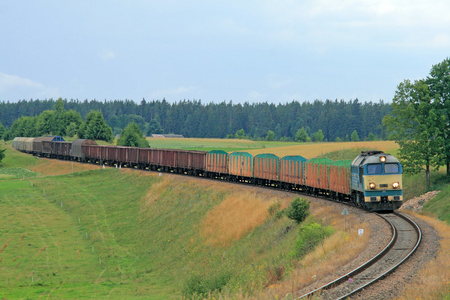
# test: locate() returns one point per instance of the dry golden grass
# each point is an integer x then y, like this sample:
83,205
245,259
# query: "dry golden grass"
433,281
315,149
156,190
235,216
335,252
59,167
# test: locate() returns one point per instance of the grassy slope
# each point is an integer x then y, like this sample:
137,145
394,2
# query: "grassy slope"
146,245
137,244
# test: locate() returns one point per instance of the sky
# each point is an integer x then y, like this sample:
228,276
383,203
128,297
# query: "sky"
274,51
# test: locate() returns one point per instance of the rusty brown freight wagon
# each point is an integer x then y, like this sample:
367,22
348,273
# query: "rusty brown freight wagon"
190,162
266,168
180,161
76,152
90,152
193,162
133,155
61,149
147,158
42,145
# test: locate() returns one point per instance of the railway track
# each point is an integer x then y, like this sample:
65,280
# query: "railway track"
406,237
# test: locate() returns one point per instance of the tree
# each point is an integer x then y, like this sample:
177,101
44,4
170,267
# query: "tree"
22,127
270,135
439,86
71,130
318,136
354,137
371,137
240,134
299,210
301,135
2,130
43,126
154,127
415,125
95,128
2,154
132,136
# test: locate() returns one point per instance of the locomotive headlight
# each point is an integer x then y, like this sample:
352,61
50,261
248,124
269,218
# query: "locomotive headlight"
382,159
395,185
372,185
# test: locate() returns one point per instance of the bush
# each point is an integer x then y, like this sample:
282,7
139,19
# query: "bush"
198,285
2,154
310,235
275,210
299,210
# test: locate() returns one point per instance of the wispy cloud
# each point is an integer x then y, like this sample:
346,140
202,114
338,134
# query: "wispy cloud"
107,54
13,81
27,88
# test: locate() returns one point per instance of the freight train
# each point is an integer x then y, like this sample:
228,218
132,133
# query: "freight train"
373,180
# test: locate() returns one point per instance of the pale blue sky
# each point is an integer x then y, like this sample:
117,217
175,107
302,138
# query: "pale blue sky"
255,51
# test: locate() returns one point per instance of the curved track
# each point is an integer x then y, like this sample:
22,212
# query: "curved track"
406,237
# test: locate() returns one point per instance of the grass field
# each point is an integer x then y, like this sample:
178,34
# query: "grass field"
80,231
228,145
307,150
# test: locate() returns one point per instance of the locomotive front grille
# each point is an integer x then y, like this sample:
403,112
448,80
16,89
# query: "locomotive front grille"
384,198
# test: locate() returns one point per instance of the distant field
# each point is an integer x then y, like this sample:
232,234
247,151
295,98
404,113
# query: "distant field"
228,145
307,150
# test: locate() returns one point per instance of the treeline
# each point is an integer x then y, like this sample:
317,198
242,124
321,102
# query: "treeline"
330,120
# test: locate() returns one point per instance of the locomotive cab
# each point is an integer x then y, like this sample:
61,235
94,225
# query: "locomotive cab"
377,181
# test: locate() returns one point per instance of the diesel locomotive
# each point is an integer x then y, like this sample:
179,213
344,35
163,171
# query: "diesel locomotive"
376,181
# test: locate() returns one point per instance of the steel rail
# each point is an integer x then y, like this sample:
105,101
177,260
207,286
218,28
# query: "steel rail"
372,261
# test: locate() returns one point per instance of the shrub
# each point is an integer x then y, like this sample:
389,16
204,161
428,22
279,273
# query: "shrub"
198,285
275,210
274,274
2,154
310,235
299,210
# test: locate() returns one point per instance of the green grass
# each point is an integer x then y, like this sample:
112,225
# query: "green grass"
228,145
91,235
440,205
345,154
16,159
16,173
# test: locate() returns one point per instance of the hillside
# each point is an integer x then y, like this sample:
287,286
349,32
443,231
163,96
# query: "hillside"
113,233
125,233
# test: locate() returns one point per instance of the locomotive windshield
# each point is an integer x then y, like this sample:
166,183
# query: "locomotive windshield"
374,169
391,168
